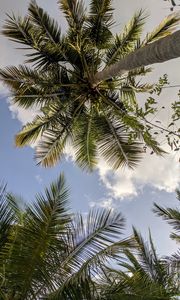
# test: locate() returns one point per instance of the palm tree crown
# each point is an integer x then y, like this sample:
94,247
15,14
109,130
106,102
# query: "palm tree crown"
97,116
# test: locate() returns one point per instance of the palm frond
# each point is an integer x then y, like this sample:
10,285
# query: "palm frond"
114,144
92,241
166,27
41,19
172,216
173,263
145,255
24,82
94,237
6,216
18,30
31,132
32,89
126,42
142,71
74,12
99,22
23,31
51,147
79,289
34,250
85,141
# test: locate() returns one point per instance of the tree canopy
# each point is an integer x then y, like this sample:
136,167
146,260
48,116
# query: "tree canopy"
102,118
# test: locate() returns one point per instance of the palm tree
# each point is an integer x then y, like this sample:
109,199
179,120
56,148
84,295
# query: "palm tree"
142,276
46,252
83,83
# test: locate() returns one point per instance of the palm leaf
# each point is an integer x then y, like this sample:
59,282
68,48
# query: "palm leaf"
114,144
24,32
18,30
85,141
30,88
172,216
72,290
51,147
6,216
103,227
74,13
92,242
126,42
24,82
34,253
41,19
31,132
98,23
173,263
166,27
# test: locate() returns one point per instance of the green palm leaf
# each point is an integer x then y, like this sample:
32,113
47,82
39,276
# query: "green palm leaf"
24,32
34,251
51,147
74,13
171,215
31,132
99,22
41,19
126,42
85,141
114,144
6,216
92,242
165,28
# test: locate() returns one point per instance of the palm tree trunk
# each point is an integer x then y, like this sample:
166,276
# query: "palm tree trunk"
162,50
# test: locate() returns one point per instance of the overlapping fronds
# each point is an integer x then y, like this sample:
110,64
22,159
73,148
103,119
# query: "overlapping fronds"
99,22
6,216
53,254
92,242
144,275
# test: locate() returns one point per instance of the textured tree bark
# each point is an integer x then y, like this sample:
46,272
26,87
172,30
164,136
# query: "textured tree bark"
162,50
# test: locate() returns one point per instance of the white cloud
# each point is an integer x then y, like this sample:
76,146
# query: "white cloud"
162,173
23,115
104,203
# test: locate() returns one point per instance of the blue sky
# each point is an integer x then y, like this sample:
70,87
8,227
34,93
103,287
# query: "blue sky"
131,192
